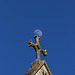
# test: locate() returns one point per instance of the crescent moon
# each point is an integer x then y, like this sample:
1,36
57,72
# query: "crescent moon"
38,32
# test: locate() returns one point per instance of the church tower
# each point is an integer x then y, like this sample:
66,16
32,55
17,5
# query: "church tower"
38,67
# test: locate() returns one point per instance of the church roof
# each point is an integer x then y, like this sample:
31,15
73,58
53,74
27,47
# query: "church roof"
36,66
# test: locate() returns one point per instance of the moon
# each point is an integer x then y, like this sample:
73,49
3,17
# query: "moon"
38,32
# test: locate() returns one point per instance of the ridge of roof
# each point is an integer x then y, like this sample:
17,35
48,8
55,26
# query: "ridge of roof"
36,65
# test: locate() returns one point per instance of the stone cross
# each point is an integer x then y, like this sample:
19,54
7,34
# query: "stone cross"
37,47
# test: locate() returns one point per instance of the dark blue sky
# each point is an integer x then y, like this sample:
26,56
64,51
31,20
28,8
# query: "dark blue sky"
19,19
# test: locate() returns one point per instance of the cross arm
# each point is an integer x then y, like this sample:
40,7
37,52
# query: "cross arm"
33,45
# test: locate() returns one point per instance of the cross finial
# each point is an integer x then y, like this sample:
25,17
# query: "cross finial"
37,47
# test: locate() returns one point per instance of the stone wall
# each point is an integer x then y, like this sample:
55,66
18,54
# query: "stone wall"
42,71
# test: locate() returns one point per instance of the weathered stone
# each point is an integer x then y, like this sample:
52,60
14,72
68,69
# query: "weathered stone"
38,68
37,47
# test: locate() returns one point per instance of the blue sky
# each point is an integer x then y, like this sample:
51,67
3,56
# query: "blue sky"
19,19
